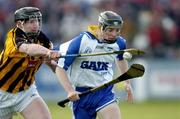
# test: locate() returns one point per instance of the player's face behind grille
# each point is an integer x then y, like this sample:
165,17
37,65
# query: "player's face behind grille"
110,24
29,19
110,34
32,27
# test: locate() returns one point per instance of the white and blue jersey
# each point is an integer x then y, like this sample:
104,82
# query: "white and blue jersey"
88,72
94,70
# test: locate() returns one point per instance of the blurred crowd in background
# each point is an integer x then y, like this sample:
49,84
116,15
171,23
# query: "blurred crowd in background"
150,25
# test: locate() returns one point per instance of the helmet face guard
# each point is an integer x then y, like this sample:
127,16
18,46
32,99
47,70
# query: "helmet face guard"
27,13
109,19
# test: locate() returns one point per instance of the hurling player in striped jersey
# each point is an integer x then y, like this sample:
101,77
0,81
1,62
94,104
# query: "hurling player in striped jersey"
26,46
84,73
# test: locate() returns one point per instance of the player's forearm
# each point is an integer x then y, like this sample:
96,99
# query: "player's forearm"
123,66
34,50
63,79
51,63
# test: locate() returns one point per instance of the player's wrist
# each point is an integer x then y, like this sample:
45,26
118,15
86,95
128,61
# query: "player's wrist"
48,54
128,88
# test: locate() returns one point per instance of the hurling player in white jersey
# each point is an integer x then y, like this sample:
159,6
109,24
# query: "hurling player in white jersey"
84,73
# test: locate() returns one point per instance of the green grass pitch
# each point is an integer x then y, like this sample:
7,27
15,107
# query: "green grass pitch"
143,110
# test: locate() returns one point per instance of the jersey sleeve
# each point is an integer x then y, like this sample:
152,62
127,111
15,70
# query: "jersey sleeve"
122,45
70,47
20,38
14,38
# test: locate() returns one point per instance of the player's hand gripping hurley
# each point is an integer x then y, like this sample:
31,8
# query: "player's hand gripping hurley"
136,70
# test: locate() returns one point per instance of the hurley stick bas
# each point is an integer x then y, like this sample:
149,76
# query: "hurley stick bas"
135,70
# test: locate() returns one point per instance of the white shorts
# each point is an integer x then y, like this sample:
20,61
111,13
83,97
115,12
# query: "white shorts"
11,103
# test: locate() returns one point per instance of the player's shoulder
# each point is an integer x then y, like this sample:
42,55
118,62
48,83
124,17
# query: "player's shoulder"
121,42
74,42
81,41
43,37
89,35
120,39
83,37
17,32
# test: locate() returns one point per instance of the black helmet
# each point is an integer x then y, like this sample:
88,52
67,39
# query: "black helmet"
26,13
110,18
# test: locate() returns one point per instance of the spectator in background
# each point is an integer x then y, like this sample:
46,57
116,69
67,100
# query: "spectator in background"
57,12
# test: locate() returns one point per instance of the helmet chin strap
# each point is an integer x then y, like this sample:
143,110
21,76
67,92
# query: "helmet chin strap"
109,41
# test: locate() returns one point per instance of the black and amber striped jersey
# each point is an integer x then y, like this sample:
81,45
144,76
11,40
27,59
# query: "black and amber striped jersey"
17,69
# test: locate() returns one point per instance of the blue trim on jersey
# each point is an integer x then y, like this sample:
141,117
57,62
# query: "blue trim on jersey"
72,49
122,45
